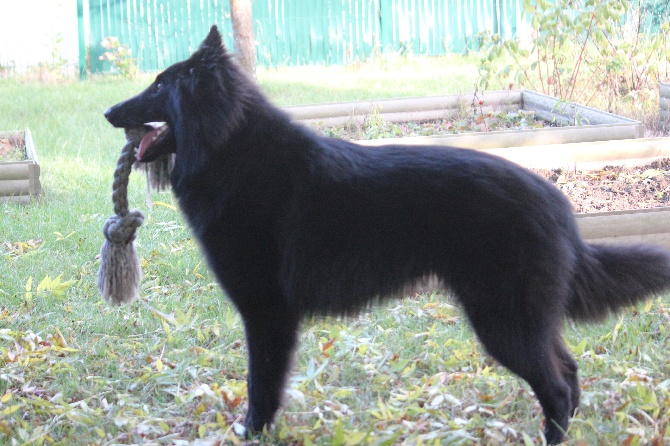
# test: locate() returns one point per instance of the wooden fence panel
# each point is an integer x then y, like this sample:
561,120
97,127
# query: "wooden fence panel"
323,32
159,32
293,32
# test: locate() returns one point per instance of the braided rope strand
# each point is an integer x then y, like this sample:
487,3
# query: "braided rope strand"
121,177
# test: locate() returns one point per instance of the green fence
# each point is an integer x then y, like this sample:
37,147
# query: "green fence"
161,32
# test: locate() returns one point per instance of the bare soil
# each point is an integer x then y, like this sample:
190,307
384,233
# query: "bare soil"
614,188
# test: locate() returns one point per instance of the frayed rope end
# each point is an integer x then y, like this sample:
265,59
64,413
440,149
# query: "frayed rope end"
120,273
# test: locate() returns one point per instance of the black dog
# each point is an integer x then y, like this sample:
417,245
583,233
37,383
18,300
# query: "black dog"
295,224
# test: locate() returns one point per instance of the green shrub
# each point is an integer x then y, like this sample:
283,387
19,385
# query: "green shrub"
585,51
119,56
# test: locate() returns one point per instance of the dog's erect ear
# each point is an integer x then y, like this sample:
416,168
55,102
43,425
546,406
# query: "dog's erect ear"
213,39
212,46
210,55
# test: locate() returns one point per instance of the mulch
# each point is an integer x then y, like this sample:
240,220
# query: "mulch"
614,188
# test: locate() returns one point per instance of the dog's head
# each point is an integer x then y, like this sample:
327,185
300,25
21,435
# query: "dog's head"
192,105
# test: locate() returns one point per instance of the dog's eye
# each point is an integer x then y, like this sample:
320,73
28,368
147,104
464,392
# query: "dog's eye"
159,86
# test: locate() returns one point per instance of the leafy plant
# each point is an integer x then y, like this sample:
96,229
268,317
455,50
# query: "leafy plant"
119,56
582,50
55,68
48,287
570,109
376,127
58,57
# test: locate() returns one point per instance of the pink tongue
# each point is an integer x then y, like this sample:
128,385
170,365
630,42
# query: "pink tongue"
146,143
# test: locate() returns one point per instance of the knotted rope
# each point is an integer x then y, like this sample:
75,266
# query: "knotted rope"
120,273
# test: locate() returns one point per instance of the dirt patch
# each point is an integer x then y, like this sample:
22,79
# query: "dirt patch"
12,146
614,188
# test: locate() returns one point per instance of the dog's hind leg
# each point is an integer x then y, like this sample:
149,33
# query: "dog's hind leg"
271,339
526,343
569,371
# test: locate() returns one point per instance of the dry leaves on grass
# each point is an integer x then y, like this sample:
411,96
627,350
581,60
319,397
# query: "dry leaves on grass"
19,248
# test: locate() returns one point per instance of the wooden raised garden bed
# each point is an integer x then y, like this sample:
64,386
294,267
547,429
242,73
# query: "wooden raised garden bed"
19,169
584,138
636,226
574,123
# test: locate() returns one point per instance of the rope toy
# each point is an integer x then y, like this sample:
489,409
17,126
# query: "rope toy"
120,273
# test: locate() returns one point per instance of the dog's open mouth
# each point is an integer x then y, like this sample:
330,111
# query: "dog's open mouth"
156,142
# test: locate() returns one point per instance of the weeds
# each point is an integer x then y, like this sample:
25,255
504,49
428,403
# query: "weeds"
12,146
119,56
373,125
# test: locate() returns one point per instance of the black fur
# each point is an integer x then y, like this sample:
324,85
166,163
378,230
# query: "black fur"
295,224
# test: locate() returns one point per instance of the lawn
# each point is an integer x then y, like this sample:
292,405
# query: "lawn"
170,368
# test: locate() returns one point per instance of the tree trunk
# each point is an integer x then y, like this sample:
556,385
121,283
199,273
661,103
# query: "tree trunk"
243,33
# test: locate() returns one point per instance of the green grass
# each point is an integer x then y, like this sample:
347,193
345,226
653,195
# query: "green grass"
384,78
171,368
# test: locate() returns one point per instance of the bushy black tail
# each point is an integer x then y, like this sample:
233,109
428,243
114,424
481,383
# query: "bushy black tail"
610,277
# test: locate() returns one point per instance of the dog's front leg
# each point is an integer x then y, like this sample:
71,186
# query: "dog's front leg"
271,339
